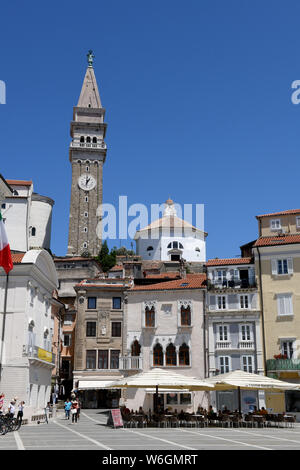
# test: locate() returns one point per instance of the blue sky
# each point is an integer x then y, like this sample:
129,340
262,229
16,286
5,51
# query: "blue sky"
197,97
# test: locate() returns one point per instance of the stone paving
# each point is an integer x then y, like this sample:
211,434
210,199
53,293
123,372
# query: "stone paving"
91,433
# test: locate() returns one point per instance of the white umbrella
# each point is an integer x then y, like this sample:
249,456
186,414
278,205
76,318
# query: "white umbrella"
240,380
162,378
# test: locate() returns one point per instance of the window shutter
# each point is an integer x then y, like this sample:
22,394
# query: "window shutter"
290,265
289,304
280,305
253,301
233,302
274,266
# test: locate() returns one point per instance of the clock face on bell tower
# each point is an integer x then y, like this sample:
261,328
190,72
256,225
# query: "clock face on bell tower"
87,155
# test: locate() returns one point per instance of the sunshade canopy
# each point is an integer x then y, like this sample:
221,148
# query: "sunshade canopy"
163,379
249,381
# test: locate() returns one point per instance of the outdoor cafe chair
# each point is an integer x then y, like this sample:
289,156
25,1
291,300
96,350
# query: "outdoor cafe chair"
225,421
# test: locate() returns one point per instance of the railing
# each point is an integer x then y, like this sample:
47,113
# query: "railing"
283,364
38,353
230,284
102,145
223,344
131,363
246,345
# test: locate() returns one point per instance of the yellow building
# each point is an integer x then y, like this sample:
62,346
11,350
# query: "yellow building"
277,261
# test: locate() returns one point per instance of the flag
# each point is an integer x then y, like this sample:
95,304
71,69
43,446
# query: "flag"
5,254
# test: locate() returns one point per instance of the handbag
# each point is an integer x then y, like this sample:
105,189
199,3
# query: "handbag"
73,411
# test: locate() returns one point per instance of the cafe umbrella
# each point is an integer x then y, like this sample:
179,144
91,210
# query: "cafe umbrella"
162,379
241,380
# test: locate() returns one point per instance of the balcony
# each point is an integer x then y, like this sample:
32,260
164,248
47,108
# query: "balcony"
130,362
39,355
223,345
242,345
246,345
101,145
230,284
283,365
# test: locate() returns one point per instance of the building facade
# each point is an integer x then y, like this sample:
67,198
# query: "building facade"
27,327
233,327
277,261
165,328
99,339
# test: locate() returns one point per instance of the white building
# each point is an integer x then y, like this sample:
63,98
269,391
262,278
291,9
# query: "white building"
27,328
165,328
171,238
27,217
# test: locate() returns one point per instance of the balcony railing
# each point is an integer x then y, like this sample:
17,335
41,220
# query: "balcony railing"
241,345
101,145
131,363
283,364
34,352
246,345
223,344
230,284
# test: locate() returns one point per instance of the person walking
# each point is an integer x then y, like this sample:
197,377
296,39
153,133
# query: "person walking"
11,409
78,409
1,402
68,405
74,408
20,411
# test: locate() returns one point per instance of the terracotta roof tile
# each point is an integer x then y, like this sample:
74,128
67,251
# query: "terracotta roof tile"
280,240
224,261
17,257
168,275
291,211
191,281
19,182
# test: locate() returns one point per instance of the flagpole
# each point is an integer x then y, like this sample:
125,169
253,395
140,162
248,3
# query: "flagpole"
3,324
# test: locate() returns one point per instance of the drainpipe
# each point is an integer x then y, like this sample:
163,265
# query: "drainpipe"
262,313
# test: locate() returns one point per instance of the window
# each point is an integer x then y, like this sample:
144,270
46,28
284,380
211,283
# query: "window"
85,245
284,304
298,222
158,358
86,214
86,199
88,139
92,302
91,359
185,399
244,301
247,364
114,358
116,303
223,333
149,248
67,340
135,348
87,168
246,332
282,266
103,359
150,317
224,364
184,355
171,359
3,206
68,319
185,315
172,399
175,245
82,139
287,348
94,140
33,231
85,229
221,302
221,275
90,328
275,224
116,329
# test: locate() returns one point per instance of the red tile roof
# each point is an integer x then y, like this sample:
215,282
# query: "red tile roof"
291,211
19,182
281,240
116,268
191,281
224,261
17,257
170,275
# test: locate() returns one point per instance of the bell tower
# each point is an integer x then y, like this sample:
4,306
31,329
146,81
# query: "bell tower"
87,155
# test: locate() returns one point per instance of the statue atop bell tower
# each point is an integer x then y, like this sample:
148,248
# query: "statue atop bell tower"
87,154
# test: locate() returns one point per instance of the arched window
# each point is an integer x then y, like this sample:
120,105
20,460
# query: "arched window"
158,358
15,192
184,355
149,248
94,140
33,231
88,139
135,348
82,139
149,317
171,355
185,315
175,245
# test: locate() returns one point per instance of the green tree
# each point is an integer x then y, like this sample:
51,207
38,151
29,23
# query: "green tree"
107,259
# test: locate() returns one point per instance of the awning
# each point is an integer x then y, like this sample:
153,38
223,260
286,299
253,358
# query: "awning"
164,390
94,384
